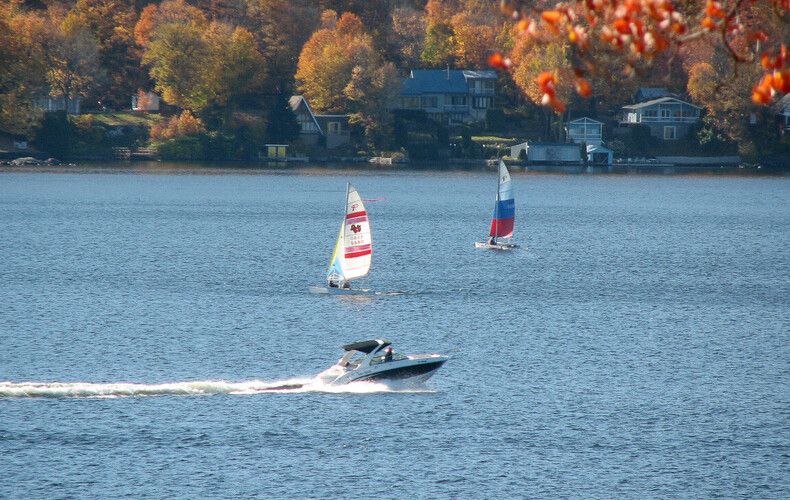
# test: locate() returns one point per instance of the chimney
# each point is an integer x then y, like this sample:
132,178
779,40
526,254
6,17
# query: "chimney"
448,72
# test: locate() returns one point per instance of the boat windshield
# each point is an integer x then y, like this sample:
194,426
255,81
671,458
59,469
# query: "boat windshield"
396,356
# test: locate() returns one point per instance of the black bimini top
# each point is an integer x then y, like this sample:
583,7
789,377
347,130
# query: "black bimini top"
367,346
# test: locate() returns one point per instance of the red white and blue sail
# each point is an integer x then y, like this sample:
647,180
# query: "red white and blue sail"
505,206
354,248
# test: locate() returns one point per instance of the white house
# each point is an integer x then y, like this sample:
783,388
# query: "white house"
668,118
585,130
149,103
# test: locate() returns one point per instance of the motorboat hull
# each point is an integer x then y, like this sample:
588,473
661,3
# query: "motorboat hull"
408,370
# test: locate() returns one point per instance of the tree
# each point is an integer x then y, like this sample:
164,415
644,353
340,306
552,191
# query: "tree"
179,57
169,12
438,50
281,28
18,78
66,54
627,35
328,59
532,74
236,68
472,42
111,22
408,36
370,91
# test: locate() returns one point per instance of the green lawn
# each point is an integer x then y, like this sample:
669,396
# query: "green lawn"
127,118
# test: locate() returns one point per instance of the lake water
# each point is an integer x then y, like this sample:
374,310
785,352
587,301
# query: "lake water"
639,348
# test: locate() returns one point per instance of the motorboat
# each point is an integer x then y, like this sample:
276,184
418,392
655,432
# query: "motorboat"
374,360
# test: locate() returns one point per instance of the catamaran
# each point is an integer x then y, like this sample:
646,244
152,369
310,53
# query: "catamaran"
353,250
504,214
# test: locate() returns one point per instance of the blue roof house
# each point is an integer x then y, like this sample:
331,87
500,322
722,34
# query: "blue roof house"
450,97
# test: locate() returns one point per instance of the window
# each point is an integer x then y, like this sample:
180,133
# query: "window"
650,113
430,102
481,102
307,124
666,111
670,134
458,100
333,128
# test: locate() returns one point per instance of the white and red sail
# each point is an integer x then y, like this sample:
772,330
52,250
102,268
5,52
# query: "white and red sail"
354,248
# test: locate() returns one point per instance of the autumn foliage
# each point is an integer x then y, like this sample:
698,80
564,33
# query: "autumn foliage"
627,35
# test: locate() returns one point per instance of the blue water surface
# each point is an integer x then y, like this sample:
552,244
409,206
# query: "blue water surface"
637,348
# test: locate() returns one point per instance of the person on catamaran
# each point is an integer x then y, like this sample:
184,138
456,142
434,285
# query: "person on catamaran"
388,354
492,240
332,284
346,285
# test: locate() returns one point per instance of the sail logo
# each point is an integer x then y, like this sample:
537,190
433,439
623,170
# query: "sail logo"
355,228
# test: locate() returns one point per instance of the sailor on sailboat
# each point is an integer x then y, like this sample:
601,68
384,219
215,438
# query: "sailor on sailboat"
353,250
504,214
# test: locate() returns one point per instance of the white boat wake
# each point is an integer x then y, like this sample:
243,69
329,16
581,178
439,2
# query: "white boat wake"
58,390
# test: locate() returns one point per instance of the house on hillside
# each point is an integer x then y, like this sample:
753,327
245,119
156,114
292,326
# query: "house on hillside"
668,118
584,130
334,129
146,102
449,97
70,106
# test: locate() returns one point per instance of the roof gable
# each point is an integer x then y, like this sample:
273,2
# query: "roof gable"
586,121
661,100
298,102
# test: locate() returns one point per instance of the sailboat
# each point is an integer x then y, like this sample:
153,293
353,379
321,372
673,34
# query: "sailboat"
504,214
353,251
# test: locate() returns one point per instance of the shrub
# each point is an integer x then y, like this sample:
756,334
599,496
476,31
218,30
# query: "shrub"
183,124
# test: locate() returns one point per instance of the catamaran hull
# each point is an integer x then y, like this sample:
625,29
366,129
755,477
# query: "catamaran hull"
338,291
496,246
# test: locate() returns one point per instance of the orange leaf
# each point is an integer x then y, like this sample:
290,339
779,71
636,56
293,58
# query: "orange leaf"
551,16
583,87
708,23
781,82
622,26
759,96
556,105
